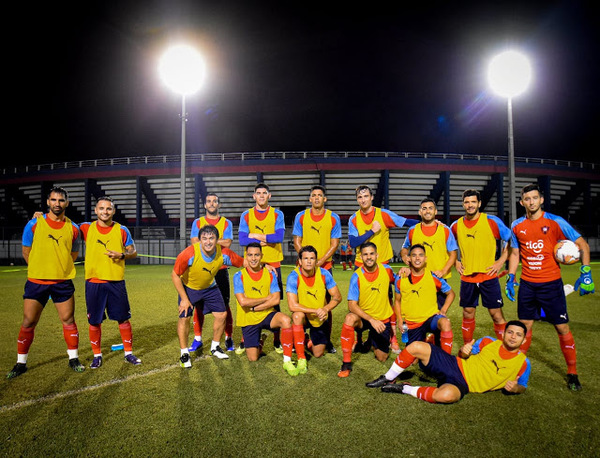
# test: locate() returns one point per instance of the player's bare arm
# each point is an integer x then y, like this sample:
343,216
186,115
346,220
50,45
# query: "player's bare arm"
185,303
513,387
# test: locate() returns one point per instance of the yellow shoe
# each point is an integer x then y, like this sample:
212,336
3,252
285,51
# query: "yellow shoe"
290,368
302,367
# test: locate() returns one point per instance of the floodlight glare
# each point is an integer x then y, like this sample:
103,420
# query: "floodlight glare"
182,69
509,74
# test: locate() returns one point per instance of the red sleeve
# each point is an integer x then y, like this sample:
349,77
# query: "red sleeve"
84,230
494,228
181,263
236,259
485,341
438,283
387,219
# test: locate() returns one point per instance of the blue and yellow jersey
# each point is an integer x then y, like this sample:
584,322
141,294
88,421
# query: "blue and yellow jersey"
419,296
370,290
318,231
98,239
438,241
359,223
270,223
197,269
311,291
253,285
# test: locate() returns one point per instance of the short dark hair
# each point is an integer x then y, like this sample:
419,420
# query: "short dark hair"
107,198
428,199
531,187
363,187
318,187
471,192
208,229
307,249
415,246
254,245
211,194
58,190
367,245
262,186
516,323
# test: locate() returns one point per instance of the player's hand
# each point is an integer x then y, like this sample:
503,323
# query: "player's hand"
459,267
271,269
584,283
509,290
379,326
37,215
467,348
184,306
404,272
322,313
376,227
511,386
114,254
493,270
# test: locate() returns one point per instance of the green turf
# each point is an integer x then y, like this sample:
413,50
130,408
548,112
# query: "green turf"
233,407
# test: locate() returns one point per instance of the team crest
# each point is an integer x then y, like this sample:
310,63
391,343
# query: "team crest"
545,229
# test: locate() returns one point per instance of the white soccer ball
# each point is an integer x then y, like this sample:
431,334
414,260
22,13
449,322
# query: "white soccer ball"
566,252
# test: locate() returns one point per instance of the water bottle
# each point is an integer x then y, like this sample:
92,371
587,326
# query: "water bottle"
116,347
404,333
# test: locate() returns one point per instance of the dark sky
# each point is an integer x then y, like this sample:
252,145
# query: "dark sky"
304,76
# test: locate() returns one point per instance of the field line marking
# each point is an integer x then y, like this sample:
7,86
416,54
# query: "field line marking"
52,397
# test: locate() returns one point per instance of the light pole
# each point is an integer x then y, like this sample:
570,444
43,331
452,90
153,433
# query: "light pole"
182,70
509,74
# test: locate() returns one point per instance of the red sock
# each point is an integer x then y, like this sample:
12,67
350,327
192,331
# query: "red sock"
126,335
525,346
404,359
446,339
25,340
198,322
567,346
425,393
347,342
71,336
95,332
499,330
299,336
344,265
287,341
228,323
468,329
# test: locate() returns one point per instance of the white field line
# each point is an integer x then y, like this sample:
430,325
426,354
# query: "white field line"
53,397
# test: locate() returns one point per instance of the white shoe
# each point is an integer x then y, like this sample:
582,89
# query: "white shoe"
219,353
185,360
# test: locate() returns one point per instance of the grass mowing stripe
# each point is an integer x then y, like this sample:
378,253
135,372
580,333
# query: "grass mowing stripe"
52,397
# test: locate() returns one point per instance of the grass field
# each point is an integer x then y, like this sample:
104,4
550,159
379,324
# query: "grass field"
233,407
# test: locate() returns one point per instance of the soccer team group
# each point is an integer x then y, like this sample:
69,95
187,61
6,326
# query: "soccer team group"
382,305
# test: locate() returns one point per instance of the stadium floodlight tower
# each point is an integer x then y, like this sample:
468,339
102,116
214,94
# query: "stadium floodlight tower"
509,75
182,70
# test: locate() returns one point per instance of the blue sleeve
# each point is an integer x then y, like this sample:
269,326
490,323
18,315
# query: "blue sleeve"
329,281
226,260
354,239
336,230
274,286
409,222
523,380
279,234
451,243
27,239
408,238
297,230
77,241
445,287
397,284
228,232
238,284
565,227
291,284
505,232
514,241
128,239
194,230
353,291
475,350
244,230
398,220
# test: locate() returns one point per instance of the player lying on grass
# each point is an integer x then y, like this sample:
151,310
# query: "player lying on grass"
481,366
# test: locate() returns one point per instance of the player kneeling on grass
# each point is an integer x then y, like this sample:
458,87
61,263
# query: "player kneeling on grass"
485,365
369,307
257,293
417,304
194,279
307,287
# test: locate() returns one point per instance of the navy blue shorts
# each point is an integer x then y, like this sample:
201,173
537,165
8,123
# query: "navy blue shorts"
444,368
222,280
549,296
210,300
251,333
60,292
318,335
489,290
379,341
429,325
106,298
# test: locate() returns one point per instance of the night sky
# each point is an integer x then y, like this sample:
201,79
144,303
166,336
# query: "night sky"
305,76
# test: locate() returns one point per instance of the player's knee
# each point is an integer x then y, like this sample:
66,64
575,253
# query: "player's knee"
446,395
284,320
298,317
381,355
351,320
444,325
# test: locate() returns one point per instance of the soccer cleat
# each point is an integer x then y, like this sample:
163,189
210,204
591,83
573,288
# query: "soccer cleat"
379,382
290,368
302,367
229,346
219,353
76,365
196,345
240,349
430,338
573,382
96,362
18,369
393,388
345,370
278,349
132,359
330,348
185,360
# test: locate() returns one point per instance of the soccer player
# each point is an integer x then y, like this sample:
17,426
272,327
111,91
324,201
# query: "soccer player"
439,242
533,239
265,225
108,245
416,301
212,217
50,247
345,252
258,295
320,228
369,307
312,294
486,365
194,279
476,234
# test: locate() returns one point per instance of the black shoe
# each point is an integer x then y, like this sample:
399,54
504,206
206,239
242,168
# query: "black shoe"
76,365
19,369
573,382
379,382
358,348
330,348
393,388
